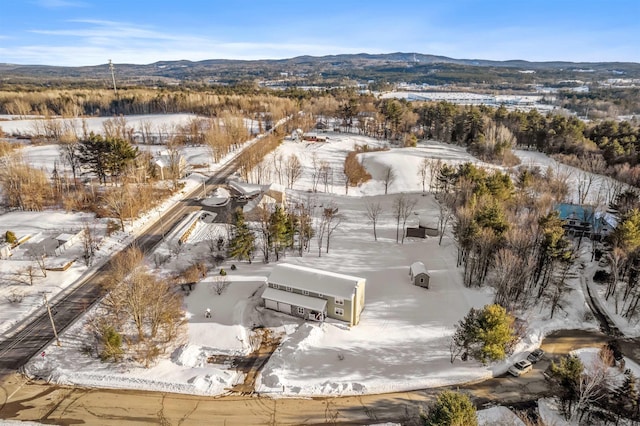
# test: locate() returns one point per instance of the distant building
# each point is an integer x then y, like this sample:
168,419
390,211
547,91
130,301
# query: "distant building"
585,221
166,163
313,137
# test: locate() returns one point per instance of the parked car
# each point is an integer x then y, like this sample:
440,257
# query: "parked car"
520,368
536,355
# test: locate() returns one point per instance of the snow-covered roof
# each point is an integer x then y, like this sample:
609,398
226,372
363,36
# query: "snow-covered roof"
316,280
295,299
64,237
418,268
427,222
244,188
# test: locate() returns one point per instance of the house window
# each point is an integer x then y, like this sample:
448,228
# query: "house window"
288,289
305,292
300,311
421,280
339,312
320,295
339,301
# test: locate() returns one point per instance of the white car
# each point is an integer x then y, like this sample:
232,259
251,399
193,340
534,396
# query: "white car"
520,368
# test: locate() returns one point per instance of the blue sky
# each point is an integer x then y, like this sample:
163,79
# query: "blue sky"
89,32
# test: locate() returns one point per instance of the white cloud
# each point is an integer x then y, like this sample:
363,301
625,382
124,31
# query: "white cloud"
92,41
52,4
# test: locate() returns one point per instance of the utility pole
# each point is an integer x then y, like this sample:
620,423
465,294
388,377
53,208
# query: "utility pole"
161,227
113,77
53,325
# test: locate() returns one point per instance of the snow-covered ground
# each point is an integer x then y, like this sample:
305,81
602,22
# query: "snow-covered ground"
498,416
402,340
47,225
157,123
599,191
548,408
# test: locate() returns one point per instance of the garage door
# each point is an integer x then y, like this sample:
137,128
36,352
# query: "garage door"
284,307
271,304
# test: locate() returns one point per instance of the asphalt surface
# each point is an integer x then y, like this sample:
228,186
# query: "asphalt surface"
30,336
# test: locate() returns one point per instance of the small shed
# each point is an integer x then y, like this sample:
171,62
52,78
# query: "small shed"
418,274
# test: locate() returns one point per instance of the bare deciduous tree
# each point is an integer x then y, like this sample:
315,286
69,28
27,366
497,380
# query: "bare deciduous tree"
423,168
402,209
374,209
388,177
585,180
89,243
445,214
220,284
293,170
434,171
150,305
332,220
326,175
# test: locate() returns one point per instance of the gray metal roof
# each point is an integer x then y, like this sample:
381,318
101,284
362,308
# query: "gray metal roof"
315,280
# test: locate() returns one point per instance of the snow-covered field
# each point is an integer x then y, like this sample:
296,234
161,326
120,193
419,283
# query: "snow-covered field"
157,123
402,340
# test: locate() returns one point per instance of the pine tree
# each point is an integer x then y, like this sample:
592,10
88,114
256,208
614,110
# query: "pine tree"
486,334
242,244
626,396
451,409
566,375
278,231
105,156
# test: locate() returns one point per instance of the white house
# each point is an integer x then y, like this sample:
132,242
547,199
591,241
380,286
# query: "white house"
314,294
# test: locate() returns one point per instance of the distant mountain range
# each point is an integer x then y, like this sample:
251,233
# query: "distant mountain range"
392,67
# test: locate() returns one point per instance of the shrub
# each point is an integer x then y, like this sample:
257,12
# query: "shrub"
451,409
10,237
233,267
223,272
112,226
111,344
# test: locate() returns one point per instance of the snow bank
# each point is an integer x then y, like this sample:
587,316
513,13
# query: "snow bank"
498,416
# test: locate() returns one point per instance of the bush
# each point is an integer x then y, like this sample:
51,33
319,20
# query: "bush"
111,344
451,409
10,237
15,297
112,226
223,272
233,267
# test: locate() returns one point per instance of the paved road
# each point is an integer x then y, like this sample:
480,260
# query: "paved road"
39,401
34,333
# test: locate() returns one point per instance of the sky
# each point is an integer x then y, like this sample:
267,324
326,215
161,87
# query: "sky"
90,32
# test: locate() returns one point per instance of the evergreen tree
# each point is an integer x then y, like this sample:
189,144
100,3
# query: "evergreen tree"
278,231
566,375
242,244
486,334
626,396
105,156
451,409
